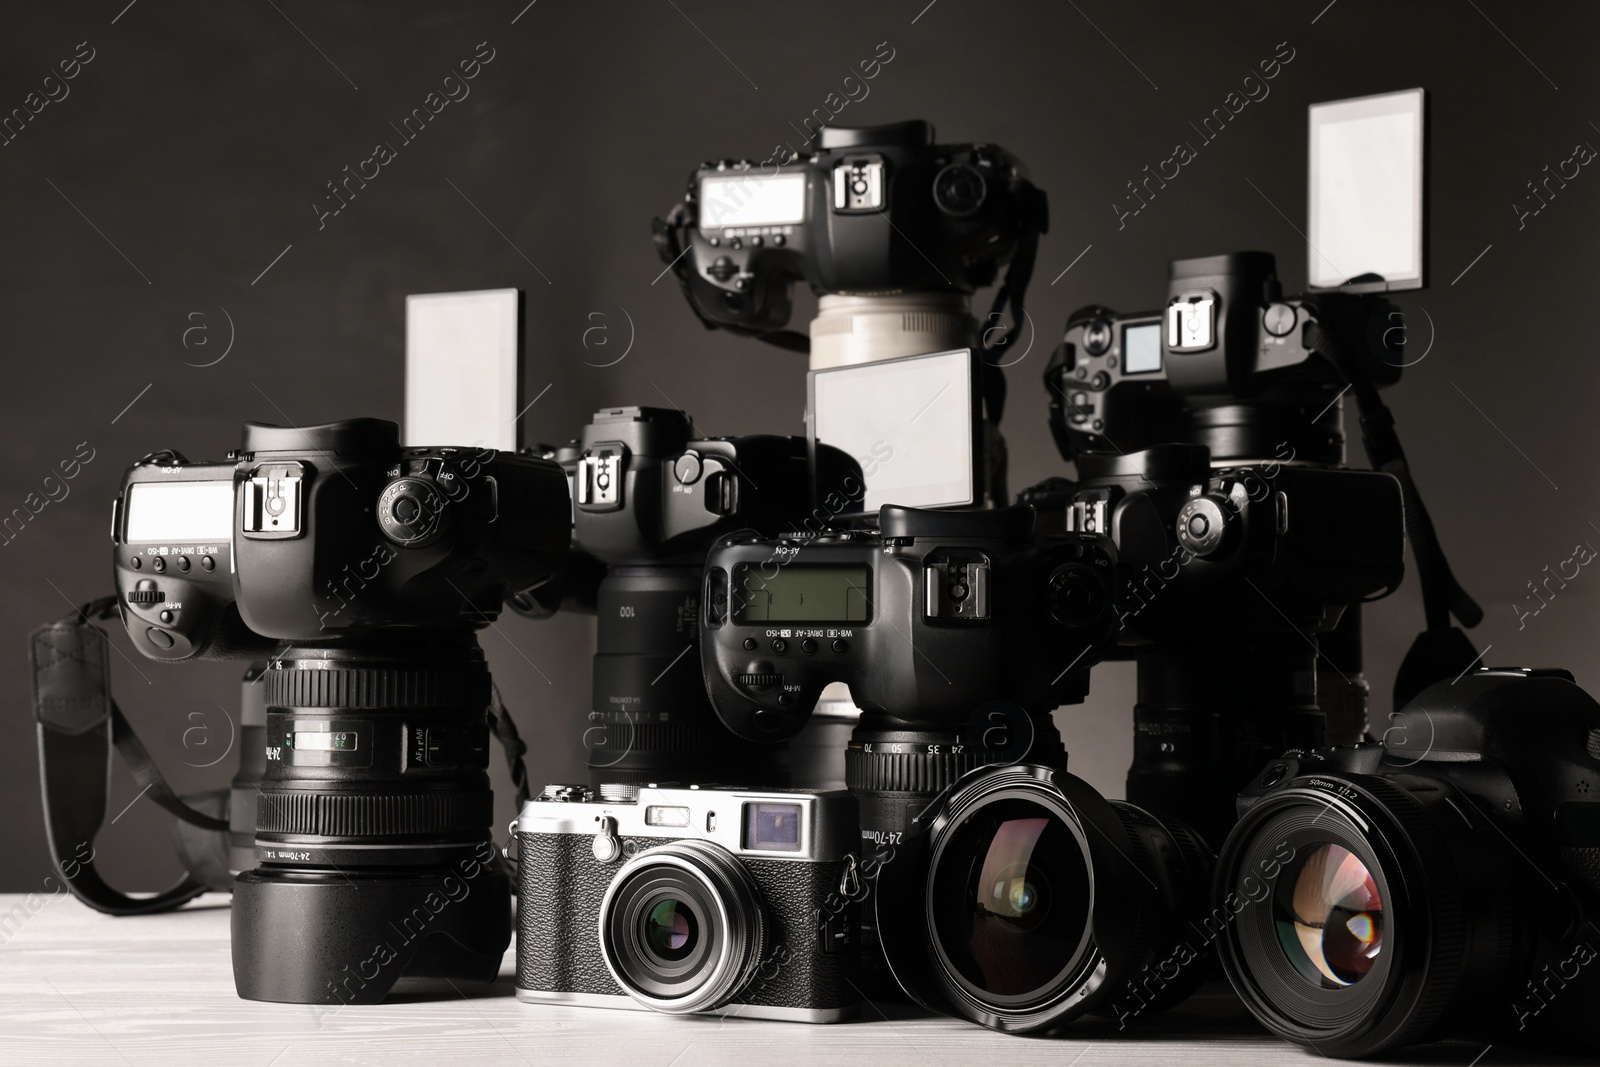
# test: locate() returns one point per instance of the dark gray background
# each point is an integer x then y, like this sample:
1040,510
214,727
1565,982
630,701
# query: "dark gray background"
199,137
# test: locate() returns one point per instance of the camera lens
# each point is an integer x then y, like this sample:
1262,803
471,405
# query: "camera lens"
1009,900
671,930
1357,916
1329,916
372,823
1043,902
682,927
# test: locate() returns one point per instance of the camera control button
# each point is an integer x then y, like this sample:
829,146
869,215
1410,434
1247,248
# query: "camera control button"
207,563
1097,337
183,564
751,644
145,592
841,646
808,646
722,269
778,240
136,563
166,617
605,846
767,721
779,646
158,637
158,565
687,468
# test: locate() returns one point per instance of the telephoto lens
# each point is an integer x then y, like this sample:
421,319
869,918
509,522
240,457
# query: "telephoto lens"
1439,883
1032,901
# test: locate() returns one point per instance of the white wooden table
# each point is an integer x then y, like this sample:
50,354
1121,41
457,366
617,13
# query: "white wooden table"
77,987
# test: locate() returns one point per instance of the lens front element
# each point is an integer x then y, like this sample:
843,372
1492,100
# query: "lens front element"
1010,894
682,927
1330,918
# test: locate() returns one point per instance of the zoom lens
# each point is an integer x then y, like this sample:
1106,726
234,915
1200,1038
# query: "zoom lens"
372,823
1360,916
1042,902
683,927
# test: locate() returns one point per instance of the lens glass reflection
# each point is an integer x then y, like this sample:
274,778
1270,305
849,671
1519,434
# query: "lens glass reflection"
1011,898
1329,918
670,930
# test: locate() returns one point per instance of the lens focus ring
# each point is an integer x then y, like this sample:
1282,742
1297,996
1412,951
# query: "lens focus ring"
360,815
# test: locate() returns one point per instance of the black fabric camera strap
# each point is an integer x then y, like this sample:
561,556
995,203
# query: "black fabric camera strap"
1442,650
79,726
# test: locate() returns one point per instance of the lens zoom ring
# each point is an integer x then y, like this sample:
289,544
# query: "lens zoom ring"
684,735
291,687
906,772
364,815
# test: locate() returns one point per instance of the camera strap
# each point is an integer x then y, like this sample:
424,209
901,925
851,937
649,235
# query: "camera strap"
79,727
1442,650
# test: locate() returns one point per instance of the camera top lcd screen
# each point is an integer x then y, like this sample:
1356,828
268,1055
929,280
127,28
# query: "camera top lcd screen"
910,423
802,593
179,511
772,827
1366,193
1141,348
752,200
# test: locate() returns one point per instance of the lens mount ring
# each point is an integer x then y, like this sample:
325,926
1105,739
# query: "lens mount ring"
1414,862
735,927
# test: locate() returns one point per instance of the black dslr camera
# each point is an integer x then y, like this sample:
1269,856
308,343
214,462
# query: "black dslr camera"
1209,444
364,569
935,620
1442,881
740,902
649,497
876,209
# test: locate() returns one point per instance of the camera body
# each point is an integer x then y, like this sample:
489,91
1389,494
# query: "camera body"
1475,822
361,570
1242,546
875,209
926,618
327,532
1125,382
720,899
649,497
647,489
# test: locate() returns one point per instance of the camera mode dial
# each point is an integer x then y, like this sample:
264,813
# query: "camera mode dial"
411,512
1205,525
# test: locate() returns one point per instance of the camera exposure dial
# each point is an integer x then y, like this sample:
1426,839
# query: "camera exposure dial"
411,512
1205,525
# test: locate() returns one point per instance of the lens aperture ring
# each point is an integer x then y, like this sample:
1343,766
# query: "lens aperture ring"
385,687
322,814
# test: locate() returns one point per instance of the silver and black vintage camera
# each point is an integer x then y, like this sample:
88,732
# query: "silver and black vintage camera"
689,900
